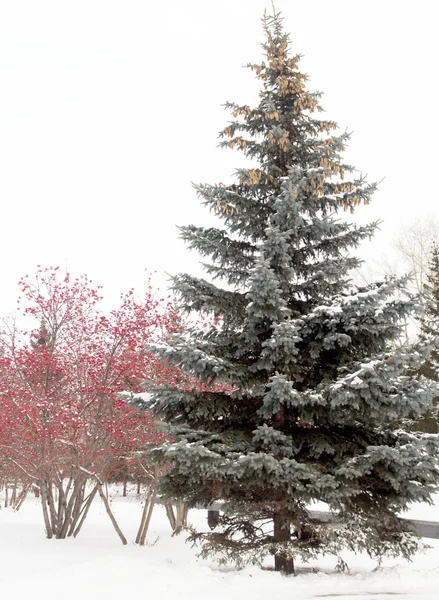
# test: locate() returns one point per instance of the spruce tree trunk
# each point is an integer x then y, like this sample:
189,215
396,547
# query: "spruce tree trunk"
282,533
181,517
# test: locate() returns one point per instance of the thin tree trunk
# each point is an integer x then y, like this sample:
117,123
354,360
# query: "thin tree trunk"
52,509
124,489
144,516
44,502
171,515
84,511
77,509
62,505
14,494
75,499
110,514
21,497
75,512
62,499
282,533
151,504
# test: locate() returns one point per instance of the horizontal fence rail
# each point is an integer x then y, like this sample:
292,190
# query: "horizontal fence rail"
425,529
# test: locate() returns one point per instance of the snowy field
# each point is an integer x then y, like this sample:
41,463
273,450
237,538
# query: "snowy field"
97,566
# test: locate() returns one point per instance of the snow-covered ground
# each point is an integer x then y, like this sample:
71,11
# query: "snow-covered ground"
97,566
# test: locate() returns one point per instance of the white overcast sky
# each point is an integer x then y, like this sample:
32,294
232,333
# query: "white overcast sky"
110,108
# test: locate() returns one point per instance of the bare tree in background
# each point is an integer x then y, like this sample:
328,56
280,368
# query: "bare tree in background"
414,244
408,253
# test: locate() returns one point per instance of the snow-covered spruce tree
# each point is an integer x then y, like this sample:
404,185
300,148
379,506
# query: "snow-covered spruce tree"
309,378
430,323
429,422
